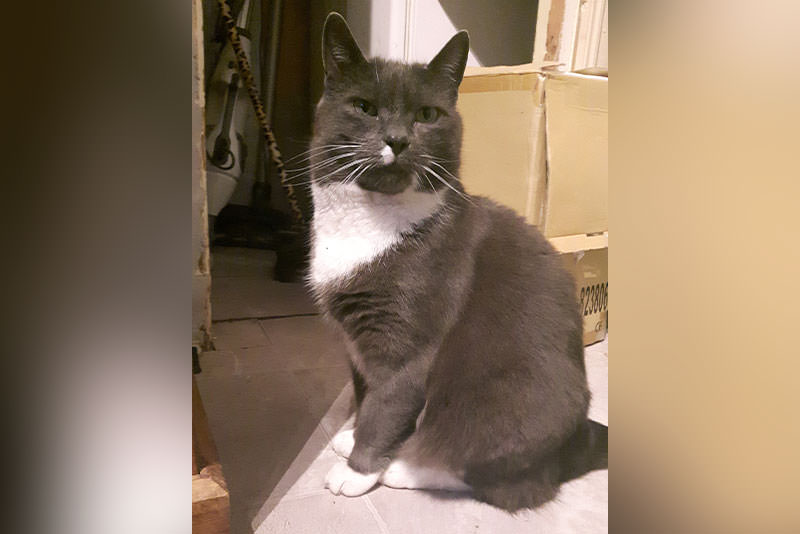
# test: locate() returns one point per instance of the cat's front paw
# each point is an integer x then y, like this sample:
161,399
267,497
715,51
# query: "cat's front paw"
343,442
342,480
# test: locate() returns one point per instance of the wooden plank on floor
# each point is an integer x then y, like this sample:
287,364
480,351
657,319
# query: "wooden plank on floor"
210,506
210,499
204,452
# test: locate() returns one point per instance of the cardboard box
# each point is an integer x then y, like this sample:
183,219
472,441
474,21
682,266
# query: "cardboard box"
586,257
576,125
503,151
538,143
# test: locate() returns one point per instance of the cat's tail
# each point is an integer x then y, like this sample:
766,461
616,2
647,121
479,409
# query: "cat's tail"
586,450
505,484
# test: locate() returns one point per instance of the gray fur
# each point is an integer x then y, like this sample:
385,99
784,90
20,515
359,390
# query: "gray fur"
471,315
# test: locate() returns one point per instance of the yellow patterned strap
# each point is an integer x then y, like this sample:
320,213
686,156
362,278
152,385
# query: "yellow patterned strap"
261,116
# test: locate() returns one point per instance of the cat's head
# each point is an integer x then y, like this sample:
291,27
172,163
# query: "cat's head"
384,125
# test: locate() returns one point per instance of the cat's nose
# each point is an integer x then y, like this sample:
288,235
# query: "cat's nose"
397,143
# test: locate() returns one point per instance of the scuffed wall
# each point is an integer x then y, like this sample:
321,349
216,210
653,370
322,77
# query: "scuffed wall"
201,276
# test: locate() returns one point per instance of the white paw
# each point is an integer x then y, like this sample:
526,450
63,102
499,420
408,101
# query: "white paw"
343,443
342,480
399,475
403,475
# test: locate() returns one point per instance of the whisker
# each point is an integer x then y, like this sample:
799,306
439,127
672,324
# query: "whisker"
320,150
435,192
315,180
348,165
319,164
445,170
347,180
351,138
361,173
459,193
301,184
433,158
308,159
340,169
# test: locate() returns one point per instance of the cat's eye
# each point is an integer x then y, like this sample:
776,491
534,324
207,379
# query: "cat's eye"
427,114
365,107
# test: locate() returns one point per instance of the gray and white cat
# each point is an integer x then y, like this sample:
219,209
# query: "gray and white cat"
463,328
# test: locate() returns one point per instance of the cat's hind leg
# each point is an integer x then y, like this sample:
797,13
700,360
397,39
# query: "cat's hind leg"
412,469
407,474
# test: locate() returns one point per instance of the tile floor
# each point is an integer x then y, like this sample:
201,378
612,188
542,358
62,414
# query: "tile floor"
277,389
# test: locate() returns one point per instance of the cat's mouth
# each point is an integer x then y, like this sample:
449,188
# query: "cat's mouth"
388,179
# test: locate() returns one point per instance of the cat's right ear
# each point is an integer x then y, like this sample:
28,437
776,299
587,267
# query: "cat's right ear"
339,49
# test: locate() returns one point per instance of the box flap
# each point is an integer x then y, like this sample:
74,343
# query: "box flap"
518,81
576,118
595,71
525,68
579,242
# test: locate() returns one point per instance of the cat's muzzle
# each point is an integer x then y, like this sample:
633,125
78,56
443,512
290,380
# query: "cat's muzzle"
389,180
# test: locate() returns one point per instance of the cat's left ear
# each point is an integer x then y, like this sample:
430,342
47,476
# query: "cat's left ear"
452,58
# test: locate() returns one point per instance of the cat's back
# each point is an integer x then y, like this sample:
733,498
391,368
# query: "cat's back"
515,357
518,250
520,276
510,228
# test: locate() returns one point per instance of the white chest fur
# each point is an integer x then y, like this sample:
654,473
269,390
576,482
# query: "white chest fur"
352,226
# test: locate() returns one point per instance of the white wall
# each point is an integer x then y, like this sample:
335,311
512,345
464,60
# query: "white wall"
379,26
501,31
429,29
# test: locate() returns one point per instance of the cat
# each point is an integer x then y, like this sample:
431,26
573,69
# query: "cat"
463,329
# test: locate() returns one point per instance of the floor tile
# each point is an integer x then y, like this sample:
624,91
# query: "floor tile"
601,347
238,334
260,422
443,513
250,297
323,388
305,475
323,513
341,413
597,375
581,508
239,362
239,261
582,505
308,342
